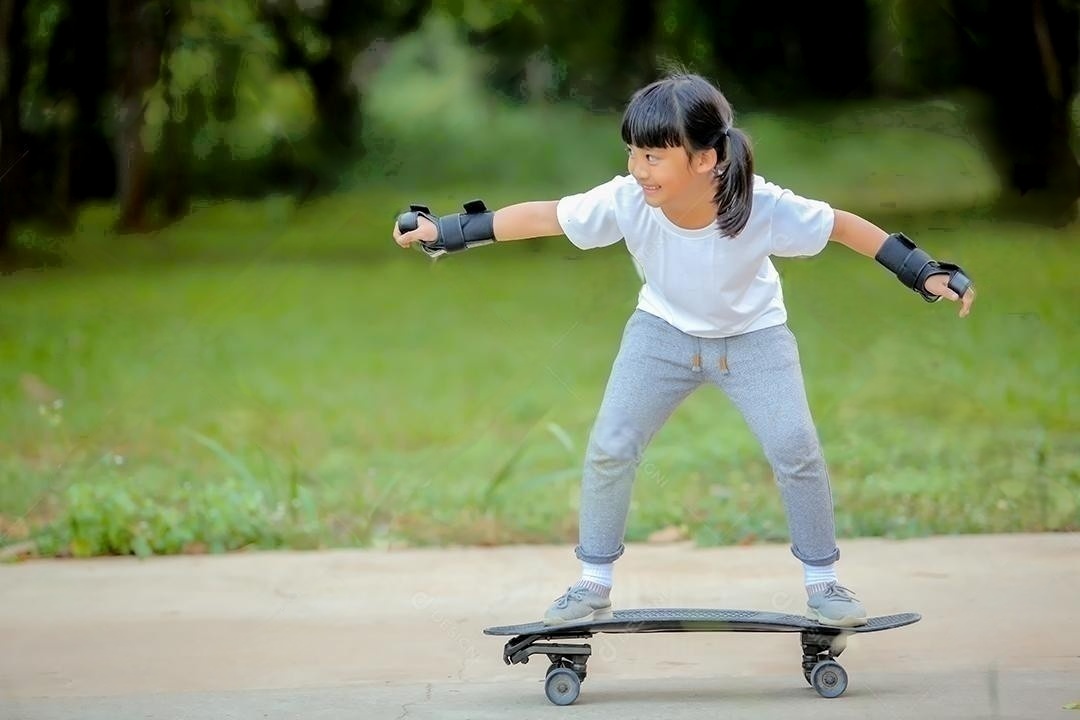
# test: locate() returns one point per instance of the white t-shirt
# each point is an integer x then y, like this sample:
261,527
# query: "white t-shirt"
699,281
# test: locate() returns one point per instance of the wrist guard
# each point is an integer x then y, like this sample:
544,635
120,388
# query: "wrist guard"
913,266
457,232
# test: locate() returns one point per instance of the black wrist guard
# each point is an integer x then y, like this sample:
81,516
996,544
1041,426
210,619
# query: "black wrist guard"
457,232
913,266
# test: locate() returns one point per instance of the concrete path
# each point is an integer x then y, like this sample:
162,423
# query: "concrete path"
398,634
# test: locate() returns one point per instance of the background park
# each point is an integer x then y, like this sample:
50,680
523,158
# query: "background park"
209,342
210,346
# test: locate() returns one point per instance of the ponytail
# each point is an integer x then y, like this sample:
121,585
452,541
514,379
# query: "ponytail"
734,181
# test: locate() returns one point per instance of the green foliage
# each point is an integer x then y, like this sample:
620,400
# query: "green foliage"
39,112
114,519
227,64
154,514
430,114
481,15
922,36
239,82
684,38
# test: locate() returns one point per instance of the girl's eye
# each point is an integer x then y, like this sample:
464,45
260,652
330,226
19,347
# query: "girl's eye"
649,157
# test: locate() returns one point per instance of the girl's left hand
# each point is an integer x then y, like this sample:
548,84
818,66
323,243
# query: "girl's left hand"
939,285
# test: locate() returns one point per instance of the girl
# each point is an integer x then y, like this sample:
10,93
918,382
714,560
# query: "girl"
701,226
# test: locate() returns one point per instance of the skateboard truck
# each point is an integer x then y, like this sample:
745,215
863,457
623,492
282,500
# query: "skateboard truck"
521,648
562,683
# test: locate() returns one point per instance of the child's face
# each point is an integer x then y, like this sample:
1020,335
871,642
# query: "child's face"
671,174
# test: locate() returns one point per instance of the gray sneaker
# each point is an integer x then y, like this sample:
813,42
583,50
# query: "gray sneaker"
836,606
576,604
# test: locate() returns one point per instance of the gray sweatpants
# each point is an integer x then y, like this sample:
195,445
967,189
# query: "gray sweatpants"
657,367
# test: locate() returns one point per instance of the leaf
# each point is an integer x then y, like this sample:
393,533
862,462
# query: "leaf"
224,455
503,473
561,435
1071,706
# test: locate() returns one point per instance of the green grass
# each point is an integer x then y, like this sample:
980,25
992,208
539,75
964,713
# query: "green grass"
265,374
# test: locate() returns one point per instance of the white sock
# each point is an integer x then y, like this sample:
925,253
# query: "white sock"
816,577
598,574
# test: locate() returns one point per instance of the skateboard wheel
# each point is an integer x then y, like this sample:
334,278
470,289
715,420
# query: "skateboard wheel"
564,663
562,686
829,679
553,667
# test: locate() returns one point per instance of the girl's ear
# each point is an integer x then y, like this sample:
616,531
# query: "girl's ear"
705,161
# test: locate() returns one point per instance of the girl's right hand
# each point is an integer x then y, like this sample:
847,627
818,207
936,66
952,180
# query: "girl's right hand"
425,232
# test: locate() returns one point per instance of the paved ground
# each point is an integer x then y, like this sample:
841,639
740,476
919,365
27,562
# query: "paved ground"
358,635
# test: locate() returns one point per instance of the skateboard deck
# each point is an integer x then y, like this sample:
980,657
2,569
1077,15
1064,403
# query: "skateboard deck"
821,644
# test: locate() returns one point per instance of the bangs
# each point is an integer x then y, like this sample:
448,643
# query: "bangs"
652,119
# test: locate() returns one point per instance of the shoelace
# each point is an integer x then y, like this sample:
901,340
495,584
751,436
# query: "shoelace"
572,593
835,590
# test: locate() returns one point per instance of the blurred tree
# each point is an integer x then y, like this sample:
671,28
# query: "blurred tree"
538,49
137,32
164,98
915,47
224,118
808,52
13,66
76,83
175,146
1021,60
1023,57
324,40
802,52
634,52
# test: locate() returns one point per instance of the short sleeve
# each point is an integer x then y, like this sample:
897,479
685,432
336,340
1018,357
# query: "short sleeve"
800,226
589,219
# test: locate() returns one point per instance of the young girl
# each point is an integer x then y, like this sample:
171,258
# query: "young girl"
701,226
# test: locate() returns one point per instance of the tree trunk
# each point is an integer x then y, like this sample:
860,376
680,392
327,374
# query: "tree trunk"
177,175
77,73
13,67
76,76
63,215
138,25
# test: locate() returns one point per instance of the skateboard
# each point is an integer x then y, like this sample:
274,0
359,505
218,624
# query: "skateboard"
821,644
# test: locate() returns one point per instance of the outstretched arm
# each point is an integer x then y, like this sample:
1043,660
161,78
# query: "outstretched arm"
868,239
514,222
862,236
526,220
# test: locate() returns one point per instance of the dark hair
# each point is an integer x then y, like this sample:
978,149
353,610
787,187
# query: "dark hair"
686,110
